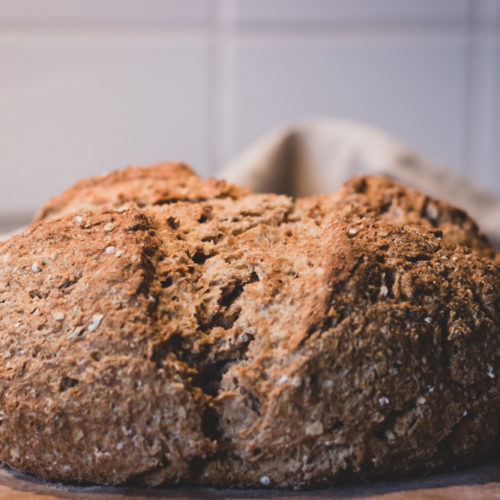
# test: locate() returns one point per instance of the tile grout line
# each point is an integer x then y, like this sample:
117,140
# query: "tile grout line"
222,8
211,124
222,128
332,27
222,19
474,129
468,139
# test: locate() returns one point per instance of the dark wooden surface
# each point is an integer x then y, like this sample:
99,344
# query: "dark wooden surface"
479,482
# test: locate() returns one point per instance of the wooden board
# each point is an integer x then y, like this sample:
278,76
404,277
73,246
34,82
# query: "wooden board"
478,483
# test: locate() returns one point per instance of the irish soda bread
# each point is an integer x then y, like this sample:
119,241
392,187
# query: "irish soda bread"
161,329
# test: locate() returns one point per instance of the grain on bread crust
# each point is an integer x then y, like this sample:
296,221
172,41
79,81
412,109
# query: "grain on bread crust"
244,341
385,199
155,185
79,399
363,196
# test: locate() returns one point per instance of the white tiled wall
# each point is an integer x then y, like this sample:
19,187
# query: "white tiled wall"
110,12
411,86
92,105
92,85
280,12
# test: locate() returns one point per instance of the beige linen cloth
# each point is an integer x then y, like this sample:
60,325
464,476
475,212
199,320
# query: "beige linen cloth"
316,156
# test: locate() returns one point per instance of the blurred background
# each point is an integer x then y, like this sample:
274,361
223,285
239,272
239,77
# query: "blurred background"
88,86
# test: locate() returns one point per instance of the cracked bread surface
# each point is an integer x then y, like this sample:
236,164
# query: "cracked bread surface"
364,196
244,341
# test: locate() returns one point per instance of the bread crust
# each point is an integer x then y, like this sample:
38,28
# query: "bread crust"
244,341
159,184
387,200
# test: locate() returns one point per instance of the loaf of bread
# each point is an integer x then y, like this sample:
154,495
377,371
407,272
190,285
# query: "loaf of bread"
160,329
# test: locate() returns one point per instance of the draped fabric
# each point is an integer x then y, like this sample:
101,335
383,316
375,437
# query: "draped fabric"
316,156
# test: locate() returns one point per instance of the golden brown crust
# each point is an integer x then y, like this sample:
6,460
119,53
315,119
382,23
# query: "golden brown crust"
384,199
141,186
244,341
82,398
362,196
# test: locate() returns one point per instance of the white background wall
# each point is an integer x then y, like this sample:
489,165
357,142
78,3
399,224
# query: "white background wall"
92,85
